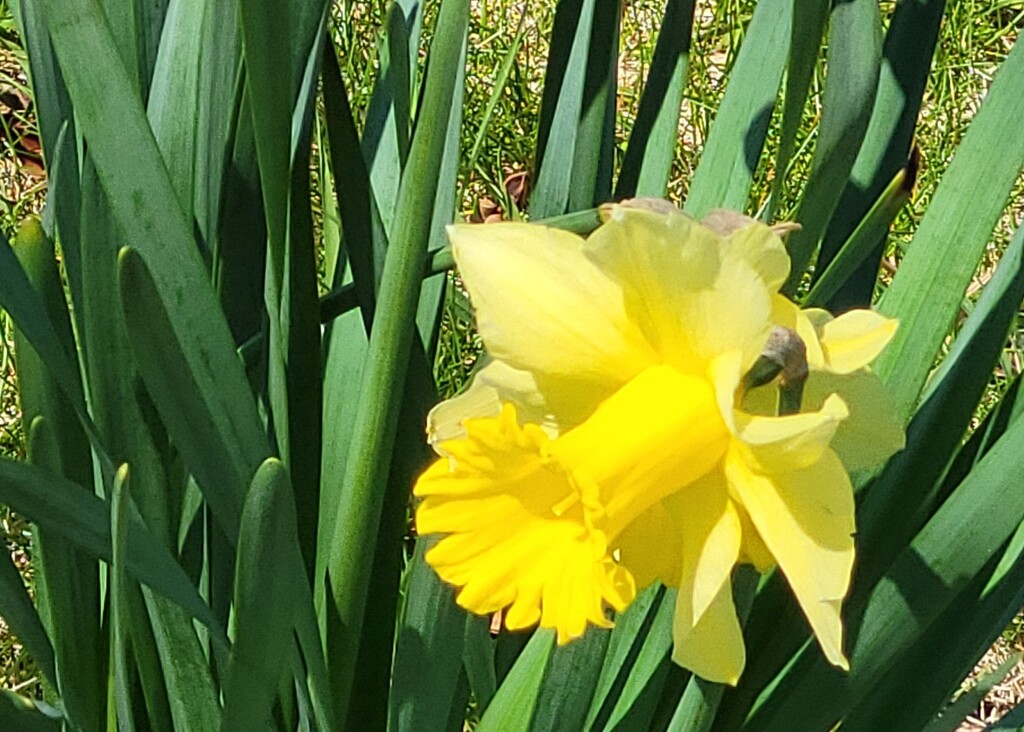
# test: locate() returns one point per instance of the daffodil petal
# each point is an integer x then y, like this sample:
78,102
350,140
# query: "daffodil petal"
753,549
802,322
711,647
495,384
446,421
711,543
706,632
651,546
725,373
873,432
764,250
543,306
854,339
792,441
806,519
502,541
679,280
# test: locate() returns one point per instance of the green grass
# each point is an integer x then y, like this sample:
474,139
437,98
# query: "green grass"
501,127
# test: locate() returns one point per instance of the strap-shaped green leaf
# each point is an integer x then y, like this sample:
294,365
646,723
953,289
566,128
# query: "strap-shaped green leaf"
56,442
28,715
429,650
145,206
561,107
173,101
119,405
906,63
513,705
17,610
947,653
361,226
928,575
593,153
478,657
82,518
191,693
926,292
265,599
701,699
569,682
899,501
655,134
389,116
133,649
733,148
218,457
218,96
854,56
833,276
809,22
902,497
71,612
50,96
636,663
276,63
27,310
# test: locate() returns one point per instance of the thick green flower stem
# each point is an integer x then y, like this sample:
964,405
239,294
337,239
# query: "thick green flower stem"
376,418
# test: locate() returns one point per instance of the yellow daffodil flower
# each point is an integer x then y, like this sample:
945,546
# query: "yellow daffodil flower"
612,441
